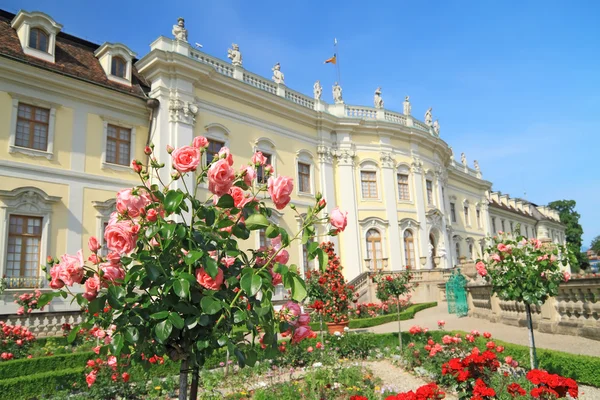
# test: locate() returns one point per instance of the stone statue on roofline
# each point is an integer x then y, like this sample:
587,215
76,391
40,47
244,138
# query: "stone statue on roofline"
407,106
235,55
476,164
278,75
378,100
317,90
337,94
436,127
428,117
463,159
179,31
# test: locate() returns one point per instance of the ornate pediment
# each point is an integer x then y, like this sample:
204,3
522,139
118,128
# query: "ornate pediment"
28,199
373,222
434,217
405,223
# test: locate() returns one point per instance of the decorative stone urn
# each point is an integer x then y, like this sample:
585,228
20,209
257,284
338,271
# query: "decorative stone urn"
334,327
423,261
436,260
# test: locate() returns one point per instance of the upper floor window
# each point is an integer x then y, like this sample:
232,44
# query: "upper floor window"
118,67
526,231
38,39
466,211
32,127
512,229
118,145
502,224
214,146
261,177
478,215
303,177
429,186
368,182
403,189
453,212
494,230
262,238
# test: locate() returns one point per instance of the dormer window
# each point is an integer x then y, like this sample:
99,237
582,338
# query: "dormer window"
37,33
118,67
116,60
38,39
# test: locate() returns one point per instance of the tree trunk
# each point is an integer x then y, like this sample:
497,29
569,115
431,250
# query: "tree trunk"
399,325
194,388
532,352
321,326
183,380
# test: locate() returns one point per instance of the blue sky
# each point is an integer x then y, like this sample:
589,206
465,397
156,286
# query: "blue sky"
515,86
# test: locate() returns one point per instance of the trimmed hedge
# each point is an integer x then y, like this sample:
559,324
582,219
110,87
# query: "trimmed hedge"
361,323
32,366
44,383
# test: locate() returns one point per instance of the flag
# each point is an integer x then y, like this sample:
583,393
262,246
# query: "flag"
332,60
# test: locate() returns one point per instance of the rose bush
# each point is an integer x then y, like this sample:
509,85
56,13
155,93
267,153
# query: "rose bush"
175,278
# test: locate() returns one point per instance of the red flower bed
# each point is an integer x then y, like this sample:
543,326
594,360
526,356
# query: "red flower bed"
427,392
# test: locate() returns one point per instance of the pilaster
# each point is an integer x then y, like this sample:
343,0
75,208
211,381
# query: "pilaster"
417,172
325,154
388,166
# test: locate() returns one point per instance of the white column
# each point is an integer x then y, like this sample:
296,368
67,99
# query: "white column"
442,204
417,168
327,183
389,188
350,240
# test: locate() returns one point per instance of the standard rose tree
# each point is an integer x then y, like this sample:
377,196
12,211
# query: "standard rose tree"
175,278
524,270
394,286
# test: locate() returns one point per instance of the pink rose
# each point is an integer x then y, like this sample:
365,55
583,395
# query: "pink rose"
92,285
225,154
72,268
152,215
228,261
301,333
56,284
136,166
94,259
91,378
205,280
292,308
280,189
112,361
154,242
240,198
93,244
132,204
21,310
480,267
200,142
277,278
496,257
186,159
537,244
112,272
304,319
338,219
249,173
502,247
220,177
282,257
121,237
566,276
258,159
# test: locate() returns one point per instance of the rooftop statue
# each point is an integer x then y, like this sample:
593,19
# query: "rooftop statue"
278,75
428,117
378,100
476,163
235,55
179,30
436,127
407,105
463,159
337,94
317,90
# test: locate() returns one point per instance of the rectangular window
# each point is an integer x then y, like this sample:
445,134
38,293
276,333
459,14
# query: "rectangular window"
104,249
260,172
494,231
118,145
214,146
305,260
368,181
262,238
466,211
23,255
32,127
429,186
453,212
303,178
403,191
478,214
502,224
526,231
512,229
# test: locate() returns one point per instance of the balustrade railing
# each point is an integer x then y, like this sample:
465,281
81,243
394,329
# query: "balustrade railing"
299,99
219,65
395,117
25,282
420,125
260,83
361,112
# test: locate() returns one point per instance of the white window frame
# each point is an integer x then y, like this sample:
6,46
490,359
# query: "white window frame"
12,148
105,54
369,166
305,157
132,146
403,169
103,211
215,132
266,145
379,225
453,219
24,22
478,217
467,215
27,201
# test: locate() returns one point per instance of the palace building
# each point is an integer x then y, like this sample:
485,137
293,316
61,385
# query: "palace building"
73,114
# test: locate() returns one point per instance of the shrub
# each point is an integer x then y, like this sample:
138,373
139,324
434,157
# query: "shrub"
27,367
44,383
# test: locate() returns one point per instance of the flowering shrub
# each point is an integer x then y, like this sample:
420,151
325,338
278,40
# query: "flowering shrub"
393,286
15,341
175,278
28,302
551,386
370,310
430,391
328,289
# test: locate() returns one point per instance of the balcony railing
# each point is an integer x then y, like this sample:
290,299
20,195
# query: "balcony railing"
25,282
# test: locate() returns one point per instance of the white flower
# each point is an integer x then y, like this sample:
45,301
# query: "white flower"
317,364
337,333
346,329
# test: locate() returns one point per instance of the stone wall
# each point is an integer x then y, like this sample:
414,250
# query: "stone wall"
44,324
574,311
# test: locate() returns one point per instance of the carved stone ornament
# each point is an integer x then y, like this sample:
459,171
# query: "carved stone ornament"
377,99
278,77
337,94
235,55
436,127
182,111
345,156
179,31
387,161
317,90
428,117
407,106
27,199
325,154
417,165
463,159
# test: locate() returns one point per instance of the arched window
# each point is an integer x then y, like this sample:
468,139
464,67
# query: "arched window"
38,39
432,243
118,67
457,247
409,249
374,248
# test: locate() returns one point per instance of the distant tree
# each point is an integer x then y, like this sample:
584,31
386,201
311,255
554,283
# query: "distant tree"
570,218
595,246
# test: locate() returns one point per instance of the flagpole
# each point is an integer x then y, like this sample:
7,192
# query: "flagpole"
337,64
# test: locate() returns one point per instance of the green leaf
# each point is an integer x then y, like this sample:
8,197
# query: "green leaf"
240,356
239,316
298,288
160,315
152,230
132,334
312,246
251,357
182,288
96,305
168,231
191,322
202,344
256,221
163,330
323,259
251,284
117,343
73,334
225,201
116,294
173,200
272,231
240,231
210,305
46,298
210,266
176,320
153,271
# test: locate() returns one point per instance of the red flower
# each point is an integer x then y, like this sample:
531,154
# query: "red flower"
514,389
